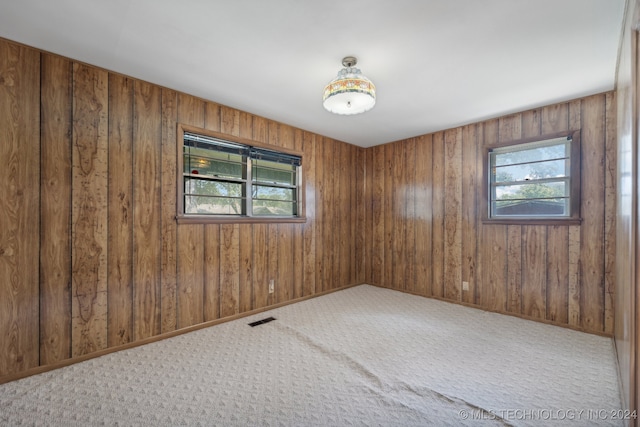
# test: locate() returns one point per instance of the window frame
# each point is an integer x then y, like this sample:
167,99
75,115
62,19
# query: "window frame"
189,218
575,172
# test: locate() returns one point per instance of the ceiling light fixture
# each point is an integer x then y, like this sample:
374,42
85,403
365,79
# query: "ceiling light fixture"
350,92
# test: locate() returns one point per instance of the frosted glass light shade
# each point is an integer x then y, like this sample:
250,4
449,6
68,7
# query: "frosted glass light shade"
349,93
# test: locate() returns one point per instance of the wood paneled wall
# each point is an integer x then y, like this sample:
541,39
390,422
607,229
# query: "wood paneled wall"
627,315
91,256
428,235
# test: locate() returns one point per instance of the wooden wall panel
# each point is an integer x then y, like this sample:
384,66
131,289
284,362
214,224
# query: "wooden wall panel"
55,210
469,199
309,228
453,215
533,271
437,216
89,218
19,207
120,205
423,216
147,143
115,267
169,228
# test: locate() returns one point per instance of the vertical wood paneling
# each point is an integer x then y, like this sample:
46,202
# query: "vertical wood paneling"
410,214
19,207
438,196
329,213
245,278
610,191
169,257
55,209
147,143
298,236
453,215
534,271
361,197
191,247
593,177
115,266
397,240
514,268
494,257
557,274
378,207
423,215
319,210
89,227
309,228
211,310
469,209
120,204
387,268
229,269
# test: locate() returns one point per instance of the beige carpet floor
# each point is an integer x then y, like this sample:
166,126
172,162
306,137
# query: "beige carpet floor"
363,356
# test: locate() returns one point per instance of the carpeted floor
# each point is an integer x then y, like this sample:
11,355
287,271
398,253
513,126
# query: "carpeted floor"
362,356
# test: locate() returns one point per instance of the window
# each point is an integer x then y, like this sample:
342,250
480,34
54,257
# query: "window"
534,180
225,179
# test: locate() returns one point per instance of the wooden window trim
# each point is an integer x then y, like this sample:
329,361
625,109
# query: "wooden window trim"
575,171
183,218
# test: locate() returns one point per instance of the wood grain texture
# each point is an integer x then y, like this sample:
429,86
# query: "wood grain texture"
398,263
423,215
190,242
55,209
19,207
81,232
453,215
514,268
169,230
378,207
309,228
120,204
468,235
147,143
610,191
211,308
557,274
229,270
438,214
410,215
534,271
89,218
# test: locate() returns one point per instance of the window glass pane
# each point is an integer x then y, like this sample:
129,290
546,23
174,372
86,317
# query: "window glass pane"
271,172
547,207
532,191
512,155
273,193
212,163
530,171
273,208
212,188
212,205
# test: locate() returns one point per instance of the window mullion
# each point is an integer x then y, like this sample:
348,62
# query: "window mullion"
248,189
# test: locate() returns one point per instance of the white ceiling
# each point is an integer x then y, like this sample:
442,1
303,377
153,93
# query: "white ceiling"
436,64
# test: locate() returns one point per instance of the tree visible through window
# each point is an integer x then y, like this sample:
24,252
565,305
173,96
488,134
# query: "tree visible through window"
534,180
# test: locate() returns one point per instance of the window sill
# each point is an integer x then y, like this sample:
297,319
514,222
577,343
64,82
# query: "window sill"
533,221
209,219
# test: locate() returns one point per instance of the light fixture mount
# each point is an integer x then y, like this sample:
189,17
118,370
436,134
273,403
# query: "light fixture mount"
350,92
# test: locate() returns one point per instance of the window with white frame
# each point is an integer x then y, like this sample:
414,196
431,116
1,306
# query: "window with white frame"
224,178
534,180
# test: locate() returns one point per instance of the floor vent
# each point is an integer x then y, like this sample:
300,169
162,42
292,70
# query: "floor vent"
260,322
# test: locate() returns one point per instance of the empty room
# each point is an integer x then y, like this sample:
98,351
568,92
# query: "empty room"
367,213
